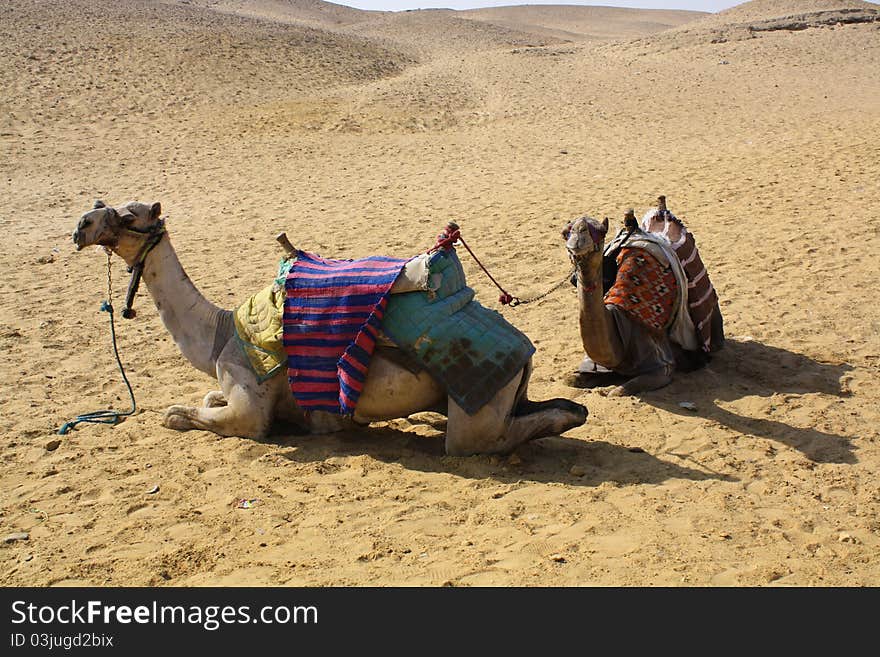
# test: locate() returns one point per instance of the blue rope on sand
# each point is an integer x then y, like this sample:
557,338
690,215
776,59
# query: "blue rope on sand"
105,417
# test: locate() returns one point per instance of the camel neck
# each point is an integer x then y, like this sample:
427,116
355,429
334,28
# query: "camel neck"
598,330
191,319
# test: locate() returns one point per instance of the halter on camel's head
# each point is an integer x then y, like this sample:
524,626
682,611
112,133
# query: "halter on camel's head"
131,232
584,236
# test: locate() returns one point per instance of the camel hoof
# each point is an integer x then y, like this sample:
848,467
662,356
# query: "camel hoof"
589,380
618,391
177,418
214,399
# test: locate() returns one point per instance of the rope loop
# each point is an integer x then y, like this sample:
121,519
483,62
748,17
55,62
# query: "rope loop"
106,416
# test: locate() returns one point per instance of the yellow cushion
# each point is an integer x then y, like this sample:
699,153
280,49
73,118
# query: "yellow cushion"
258,328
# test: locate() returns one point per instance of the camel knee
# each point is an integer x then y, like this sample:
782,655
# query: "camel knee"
467,443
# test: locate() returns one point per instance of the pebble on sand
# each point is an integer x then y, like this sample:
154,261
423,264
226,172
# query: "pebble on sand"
52,445
18,536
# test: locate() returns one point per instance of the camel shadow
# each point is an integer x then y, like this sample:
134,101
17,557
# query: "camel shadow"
746,368
554,459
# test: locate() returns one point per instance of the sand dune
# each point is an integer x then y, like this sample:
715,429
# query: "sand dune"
309,12
582,23
444,31
363,134
762,10
751,19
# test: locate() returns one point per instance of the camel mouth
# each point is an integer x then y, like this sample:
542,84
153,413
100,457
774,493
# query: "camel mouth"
578,247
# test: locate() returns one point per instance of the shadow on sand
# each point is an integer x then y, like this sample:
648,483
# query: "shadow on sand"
751,369
544,460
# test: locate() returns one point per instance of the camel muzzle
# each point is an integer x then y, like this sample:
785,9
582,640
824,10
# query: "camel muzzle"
79,238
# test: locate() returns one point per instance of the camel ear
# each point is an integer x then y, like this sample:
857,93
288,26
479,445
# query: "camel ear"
98,204
605,223
155,211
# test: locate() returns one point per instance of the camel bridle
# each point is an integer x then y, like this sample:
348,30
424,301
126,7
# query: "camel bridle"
151,237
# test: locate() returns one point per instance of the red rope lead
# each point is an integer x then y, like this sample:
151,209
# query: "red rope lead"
445,241
505,297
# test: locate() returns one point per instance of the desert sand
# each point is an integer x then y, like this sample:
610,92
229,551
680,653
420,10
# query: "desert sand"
363,133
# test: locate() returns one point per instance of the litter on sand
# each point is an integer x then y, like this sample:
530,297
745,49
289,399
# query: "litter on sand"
247,504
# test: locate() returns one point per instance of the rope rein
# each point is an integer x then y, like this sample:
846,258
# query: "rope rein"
452,234
106,416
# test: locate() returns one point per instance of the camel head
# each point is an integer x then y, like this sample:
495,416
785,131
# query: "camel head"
585,236
122,230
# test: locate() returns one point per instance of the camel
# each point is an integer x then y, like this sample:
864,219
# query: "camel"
619,348
247,407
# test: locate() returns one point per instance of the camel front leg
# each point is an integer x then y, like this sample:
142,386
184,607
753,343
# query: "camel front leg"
249,403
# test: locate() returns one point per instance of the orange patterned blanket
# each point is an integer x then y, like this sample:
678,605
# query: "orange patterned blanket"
644,288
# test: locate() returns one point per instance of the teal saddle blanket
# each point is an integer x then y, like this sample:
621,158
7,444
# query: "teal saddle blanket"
473,351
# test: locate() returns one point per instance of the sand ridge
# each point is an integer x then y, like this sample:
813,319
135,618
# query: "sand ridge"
359,144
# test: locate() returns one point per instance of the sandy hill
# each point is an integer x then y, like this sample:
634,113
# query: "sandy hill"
81,59
582,23
752,19
444,31
431,31
313,12
756,11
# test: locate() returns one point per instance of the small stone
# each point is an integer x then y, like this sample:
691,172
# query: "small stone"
153,490
846,537
558,558
52,445
18,536
577,471
725,536
691,406
513,459
28,557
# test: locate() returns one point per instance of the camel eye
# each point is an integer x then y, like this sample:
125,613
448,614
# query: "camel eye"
86,223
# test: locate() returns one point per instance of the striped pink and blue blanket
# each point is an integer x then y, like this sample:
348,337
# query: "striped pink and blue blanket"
332,312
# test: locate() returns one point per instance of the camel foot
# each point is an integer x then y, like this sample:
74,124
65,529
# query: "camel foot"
589,380
179,418
214,399
578,412
641,383
222,420
618,391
